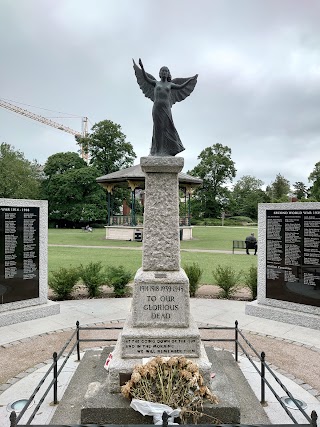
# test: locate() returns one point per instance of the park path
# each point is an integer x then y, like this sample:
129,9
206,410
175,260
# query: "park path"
214,251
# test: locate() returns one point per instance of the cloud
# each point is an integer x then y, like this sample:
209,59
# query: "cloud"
258,62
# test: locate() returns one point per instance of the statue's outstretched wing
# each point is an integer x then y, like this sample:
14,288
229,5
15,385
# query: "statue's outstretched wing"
178,95
145,86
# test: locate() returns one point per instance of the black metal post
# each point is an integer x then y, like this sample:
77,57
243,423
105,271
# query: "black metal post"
165,418
236,340
13,419
189,209
263,373
78,339
133,207
109,207
314,418
55,377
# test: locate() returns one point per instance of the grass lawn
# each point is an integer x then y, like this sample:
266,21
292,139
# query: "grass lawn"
205,238
219,238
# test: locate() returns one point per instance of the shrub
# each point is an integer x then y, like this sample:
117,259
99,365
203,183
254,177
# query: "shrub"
63,281
235,220
227,279
118,278
93,278
251,281
240,218
194,273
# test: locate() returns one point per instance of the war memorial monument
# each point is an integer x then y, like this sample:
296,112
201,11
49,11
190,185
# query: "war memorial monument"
159,323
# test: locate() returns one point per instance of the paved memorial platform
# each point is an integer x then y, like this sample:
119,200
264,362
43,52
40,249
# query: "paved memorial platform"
88,401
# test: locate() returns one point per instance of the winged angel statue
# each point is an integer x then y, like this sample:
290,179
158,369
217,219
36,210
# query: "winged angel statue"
164,93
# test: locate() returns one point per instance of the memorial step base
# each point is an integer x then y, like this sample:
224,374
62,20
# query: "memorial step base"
285,315
87,399
19,315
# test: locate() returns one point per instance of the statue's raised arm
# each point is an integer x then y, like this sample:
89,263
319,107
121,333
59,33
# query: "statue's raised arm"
164,93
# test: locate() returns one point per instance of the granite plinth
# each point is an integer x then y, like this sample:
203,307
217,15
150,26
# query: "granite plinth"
168,164
161,299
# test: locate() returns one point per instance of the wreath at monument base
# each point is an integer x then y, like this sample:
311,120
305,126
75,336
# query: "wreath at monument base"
172,381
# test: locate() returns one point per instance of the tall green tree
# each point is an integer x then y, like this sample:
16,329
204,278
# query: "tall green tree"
300,190
314,178
109,152
217,169
107,148
19,178
72,191
279,189
246,195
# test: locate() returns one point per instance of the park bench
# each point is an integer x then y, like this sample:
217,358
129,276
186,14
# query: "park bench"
241,244
238,244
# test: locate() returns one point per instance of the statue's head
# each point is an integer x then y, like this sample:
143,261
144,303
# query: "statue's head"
164,71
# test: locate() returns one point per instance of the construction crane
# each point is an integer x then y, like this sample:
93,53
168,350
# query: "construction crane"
46,121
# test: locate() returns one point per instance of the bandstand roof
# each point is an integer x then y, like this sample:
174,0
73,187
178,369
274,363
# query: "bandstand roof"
135,173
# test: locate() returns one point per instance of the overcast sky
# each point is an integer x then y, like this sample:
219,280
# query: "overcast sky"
258,89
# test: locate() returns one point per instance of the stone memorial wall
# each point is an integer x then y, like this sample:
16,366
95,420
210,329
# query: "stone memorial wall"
288,264
24,261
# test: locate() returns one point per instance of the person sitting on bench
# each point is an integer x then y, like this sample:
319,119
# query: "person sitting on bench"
251,243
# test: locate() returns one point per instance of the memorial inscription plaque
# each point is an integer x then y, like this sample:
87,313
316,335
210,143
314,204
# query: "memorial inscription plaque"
162,302
19,253
146,347
293,256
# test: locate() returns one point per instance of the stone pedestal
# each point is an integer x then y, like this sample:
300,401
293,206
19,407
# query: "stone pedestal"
160,322
161,247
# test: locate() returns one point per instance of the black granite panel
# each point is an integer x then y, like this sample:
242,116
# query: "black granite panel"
293,256
19,253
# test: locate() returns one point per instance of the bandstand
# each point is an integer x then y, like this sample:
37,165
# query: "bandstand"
128,225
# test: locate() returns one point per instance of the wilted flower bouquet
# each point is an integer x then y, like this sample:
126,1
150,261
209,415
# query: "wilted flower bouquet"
173,381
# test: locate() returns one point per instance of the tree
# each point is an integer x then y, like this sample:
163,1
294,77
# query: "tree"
19,178
62,162
216,168
300,190
107,148
246,195
279,189
109,152
72,191
314,178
